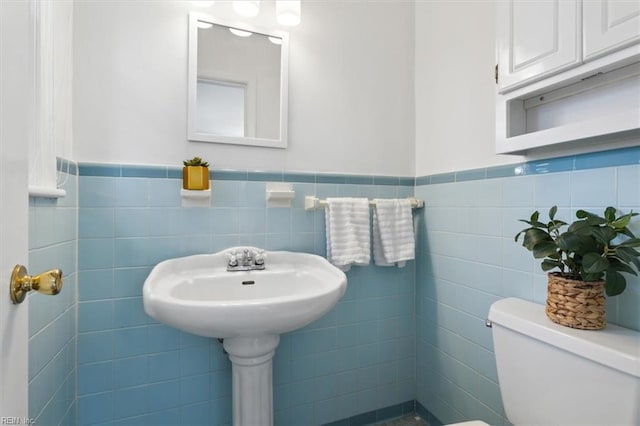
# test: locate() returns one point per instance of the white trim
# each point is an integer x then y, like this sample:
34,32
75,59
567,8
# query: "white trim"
52,61
611,126
46,192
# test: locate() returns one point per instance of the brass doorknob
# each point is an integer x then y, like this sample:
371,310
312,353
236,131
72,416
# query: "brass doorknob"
49,282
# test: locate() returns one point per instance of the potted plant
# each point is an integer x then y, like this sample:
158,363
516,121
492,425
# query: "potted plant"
195,174
582,262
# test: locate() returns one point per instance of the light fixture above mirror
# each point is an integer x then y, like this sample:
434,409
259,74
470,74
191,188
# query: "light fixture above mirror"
202,3
247,8
237,84
240,33
288,12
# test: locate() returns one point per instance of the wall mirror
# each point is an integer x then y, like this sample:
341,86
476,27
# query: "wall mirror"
238,84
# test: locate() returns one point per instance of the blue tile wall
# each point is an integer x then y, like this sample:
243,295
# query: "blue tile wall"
397,336
359,358
467,259
52,320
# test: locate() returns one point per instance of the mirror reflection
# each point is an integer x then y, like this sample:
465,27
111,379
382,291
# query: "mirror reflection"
237,79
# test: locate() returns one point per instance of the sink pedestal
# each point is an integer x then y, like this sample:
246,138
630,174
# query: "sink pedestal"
251,359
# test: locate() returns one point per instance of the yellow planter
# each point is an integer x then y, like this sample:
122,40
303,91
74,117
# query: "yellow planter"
195,177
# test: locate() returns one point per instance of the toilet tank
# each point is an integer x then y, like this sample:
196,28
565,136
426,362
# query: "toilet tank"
555,375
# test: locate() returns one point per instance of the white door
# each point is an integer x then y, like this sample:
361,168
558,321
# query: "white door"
609,26
536,39
16,100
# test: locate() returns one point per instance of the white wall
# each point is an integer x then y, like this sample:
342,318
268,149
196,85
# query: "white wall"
350,89
455,91
454,86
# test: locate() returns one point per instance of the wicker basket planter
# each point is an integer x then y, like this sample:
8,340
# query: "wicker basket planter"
576,304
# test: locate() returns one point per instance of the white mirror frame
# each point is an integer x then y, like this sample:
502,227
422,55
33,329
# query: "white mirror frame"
192,133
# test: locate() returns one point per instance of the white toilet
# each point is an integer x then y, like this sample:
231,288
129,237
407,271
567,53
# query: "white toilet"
554,375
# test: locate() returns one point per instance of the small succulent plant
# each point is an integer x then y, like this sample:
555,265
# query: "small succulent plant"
592,248
196,161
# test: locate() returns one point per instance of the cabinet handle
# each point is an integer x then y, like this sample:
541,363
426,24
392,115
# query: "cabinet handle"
49,282
496,73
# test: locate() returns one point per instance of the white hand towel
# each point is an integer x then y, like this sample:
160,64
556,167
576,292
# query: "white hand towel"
393,237
378,254
348,234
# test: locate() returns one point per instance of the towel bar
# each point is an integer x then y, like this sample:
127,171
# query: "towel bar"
314,203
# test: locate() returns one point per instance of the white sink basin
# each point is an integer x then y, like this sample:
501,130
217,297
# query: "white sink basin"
198,295
248,309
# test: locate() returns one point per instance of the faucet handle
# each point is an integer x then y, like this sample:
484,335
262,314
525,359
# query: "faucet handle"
259,257
233,259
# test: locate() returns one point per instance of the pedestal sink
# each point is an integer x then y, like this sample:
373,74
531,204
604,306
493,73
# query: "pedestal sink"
248,309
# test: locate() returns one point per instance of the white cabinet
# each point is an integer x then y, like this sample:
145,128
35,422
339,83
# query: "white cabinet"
568,70
539,38
536,39
610,26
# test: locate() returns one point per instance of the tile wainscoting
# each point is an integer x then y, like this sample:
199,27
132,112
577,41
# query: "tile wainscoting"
467,259
358,358
52,320
399,339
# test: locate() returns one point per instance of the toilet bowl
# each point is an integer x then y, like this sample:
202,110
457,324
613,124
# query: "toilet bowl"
471,423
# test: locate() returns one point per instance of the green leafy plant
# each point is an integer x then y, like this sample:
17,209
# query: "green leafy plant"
592,248
196,161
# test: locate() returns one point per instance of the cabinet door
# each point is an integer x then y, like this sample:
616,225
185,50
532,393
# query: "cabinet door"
610,25
536,39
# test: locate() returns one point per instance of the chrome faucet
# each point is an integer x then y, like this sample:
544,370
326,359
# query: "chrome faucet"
248,259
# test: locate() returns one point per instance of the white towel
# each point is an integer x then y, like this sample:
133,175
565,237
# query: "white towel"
348,234
393,237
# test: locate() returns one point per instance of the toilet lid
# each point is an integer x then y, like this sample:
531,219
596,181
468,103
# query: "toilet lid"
471,423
